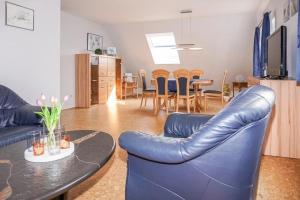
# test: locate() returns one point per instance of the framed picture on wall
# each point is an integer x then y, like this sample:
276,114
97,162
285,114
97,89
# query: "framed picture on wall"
19,16
94,42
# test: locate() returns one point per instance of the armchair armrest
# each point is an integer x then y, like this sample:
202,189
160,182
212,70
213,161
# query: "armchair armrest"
179,125
25,115
150,147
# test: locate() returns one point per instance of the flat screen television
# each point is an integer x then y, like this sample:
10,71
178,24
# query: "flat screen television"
276,65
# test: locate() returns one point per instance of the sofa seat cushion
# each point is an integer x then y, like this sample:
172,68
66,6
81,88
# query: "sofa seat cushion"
10,135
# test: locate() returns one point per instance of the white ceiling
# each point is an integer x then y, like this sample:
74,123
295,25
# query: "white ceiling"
119,11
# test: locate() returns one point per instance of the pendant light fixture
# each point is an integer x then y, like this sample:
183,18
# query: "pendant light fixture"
185,44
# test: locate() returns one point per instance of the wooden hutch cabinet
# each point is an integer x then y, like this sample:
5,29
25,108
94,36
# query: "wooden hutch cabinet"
98,79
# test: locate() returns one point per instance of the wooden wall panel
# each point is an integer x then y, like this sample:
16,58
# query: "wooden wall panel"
283,134
83,81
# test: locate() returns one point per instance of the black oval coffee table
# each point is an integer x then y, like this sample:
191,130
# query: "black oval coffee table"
21,179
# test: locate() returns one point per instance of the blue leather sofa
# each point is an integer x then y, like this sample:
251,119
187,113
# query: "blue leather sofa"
201,157
17,118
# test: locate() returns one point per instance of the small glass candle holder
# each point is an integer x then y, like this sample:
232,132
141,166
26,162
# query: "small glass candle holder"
38,145
65,140
30,139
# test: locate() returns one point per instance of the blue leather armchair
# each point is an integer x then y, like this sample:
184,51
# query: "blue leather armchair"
17,117
201,157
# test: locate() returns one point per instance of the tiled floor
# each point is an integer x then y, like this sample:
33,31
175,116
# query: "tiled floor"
279,177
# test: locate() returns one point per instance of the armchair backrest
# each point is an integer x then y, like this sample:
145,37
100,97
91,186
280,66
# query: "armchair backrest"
9,99
246,109
233,139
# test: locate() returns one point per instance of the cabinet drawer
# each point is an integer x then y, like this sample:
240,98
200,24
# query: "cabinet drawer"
102,92
111,81
103,80
102,71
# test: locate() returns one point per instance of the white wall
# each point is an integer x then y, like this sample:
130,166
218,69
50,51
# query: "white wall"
30,60
227,42
277,6
73,40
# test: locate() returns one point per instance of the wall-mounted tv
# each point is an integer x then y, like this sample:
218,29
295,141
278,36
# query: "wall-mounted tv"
276,66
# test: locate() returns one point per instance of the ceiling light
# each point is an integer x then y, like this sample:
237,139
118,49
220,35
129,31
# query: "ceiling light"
186,45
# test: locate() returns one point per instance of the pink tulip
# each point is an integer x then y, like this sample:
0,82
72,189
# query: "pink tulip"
66,98
52,99
43,97
39,102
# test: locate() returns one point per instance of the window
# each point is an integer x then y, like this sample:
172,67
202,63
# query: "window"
272,22
162,48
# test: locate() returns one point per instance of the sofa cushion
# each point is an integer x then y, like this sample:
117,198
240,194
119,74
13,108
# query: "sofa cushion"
10,135
9,99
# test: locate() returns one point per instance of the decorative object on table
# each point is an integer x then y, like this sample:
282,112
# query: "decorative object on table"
226,91
286,11
94,42
38,144
111,51
98,51
19,16
51,119
239,78
293,7
65,140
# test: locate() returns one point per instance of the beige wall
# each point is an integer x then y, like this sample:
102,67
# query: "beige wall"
277,7
227,42
29,62
73,40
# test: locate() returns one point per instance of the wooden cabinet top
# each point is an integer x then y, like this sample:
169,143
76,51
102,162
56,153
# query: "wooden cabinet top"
96,55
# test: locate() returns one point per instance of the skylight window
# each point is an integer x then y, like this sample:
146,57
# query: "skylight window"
162,48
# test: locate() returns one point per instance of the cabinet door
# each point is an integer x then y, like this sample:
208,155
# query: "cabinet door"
102,66
111,90
102,92
111,66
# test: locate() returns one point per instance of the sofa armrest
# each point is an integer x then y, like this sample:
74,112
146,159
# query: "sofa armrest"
150,147
25,115
179,125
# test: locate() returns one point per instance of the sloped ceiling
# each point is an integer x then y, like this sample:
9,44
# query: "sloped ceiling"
120,11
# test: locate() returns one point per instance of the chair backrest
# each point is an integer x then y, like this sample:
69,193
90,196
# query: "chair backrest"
142,75
224,81
196,73
161,81
182,77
